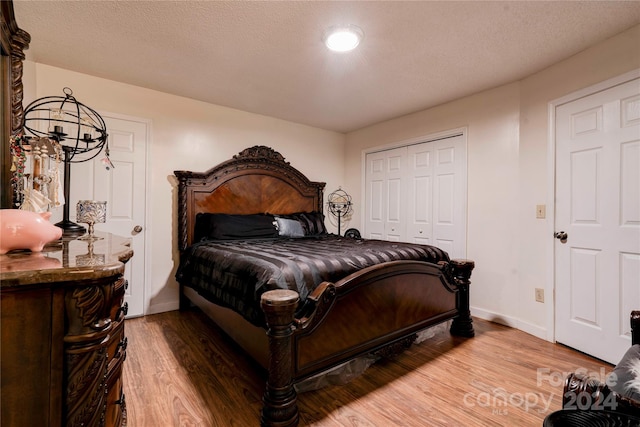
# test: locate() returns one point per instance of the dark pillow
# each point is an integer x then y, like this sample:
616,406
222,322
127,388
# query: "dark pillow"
289,227
625,378
312,222
210,226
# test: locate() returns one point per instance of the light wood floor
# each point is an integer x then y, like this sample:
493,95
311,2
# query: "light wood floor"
182,371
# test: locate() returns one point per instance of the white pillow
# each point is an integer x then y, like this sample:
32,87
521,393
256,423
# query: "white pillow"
289,227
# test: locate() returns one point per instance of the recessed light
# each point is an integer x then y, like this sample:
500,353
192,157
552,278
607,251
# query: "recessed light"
343,38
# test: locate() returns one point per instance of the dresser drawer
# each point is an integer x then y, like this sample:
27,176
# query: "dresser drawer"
116,409
117,345
118,306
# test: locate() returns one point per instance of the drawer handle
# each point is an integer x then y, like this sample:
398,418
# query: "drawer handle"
122,310
123,344
121,400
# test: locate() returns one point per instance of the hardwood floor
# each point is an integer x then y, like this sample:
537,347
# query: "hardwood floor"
183,371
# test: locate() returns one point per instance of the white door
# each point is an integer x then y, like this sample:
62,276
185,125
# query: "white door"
418,193
597,268
385,194
124,189
436,206
395,195
420,202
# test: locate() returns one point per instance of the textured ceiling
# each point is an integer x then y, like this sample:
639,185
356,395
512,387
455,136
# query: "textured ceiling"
267,57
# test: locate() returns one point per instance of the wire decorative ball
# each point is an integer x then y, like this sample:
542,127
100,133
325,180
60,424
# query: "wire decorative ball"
340,203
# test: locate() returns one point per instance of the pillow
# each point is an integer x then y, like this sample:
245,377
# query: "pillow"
289,227
312,222
625,378
213,226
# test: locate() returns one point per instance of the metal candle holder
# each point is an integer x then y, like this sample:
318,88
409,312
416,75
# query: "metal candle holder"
91,212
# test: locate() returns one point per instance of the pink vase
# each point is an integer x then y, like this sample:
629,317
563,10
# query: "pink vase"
26,230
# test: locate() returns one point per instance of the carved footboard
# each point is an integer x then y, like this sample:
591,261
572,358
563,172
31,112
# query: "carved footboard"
366,312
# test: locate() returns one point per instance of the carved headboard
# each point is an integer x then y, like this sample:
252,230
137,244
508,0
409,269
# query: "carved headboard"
257,180
13,42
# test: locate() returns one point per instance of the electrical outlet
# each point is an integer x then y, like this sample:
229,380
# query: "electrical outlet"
541,211
539,295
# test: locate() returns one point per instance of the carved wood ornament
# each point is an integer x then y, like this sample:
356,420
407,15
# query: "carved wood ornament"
14,41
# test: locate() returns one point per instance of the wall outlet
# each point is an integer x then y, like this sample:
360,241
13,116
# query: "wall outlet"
541,211
539,295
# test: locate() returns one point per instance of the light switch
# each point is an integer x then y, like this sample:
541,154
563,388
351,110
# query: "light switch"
541,211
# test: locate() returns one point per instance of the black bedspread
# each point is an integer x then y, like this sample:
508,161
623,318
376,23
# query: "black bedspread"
235,273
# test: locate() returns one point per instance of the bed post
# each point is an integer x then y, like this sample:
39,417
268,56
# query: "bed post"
280,401
462,325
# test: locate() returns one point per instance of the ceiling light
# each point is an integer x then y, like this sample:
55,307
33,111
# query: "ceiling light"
344,38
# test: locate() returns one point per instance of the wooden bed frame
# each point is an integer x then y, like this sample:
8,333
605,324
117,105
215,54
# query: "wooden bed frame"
376,310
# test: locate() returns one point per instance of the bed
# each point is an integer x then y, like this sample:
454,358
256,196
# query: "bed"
338,309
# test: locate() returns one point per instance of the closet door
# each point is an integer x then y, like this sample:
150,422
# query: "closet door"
420,174
418,193
450,195
385,194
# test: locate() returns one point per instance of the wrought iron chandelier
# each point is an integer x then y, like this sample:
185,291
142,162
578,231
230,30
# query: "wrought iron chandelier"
78,129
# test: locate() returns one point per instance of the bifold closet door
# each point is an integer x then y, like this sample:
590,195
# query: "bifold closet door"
418,193
436,204
385,195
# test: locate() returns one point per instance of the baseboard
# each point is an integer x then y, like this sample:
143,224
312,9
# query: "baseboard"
535,330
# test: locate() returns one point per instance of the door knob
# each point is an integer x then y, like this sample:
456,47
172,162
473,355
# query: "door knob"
561,235
137,229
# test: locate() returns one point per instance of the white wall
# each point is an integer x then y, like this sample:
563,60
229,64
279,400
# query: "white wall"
189,135
508,175
611,58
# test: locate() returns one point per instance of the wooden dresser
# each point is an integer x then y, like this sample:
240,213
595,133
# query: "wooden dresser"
63,338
